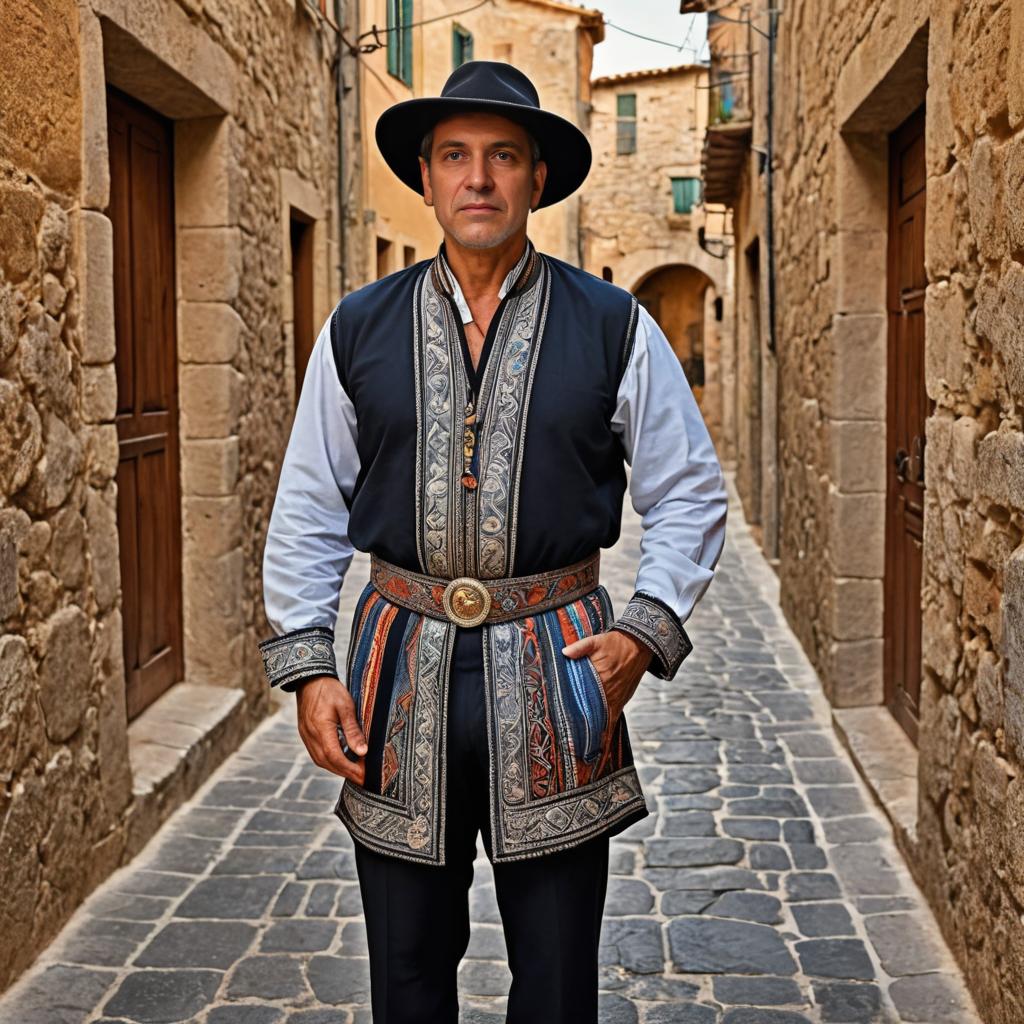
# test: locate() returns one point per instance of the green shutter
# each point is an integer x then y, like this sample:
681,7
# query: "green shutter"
685,194
462,46
406,33
625,104
393,38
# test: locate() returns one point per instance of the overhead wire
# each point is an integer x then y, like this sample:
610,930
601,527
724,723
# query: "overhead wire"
375,30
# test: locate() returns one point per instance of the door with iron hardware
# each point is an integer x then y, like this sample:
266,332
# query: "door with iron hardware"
907,409
146,364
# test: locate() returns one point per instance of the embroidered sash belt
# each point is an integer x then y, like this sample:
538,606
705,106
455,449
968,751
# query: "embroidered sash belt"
468,602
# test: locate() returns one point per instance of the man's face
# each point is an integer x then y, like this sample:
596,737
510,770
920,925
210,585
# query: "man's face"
481,180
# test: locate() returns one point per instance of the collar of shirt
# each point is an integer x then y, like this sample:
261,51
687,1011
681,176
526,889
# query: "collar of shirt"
456,290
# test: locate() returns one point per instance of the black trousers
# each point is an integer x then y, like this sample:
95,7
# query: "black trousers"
417,915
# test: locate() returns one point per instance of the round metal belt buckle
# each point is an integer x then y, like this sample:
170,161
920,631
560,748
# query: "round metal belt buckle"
466,601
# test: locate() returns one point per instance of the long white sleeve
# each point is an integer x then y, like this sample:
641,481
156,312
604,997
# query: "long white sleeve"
307,551
676,486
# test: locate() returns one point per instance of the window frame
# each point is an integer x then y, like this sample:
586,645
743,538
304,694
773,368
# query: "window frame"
400,18
462,45
625,124
679,193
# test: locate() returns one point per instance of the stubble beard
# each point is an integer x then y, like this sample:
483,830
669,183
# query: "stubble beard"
489,241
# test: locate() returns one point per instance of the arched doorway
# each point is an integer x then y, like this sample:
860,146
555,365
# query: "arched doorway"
675,296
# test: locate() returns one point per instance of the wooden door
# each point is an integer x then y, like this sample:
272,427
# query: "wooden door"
149,496
907,409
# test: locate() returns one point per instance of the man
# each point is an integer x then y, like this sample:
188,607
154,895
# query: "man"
467,421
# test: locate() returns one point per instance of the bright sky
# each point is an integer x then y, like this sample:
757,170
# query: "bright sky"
659,19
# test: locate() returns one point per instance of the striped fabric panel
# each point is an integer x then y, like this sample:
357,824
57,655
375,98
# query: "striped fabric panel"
370,637
396,743
576,677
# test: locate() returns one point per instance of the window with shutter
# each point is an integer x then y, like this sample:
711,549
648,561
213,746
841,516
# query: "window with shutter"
400,17
625,123
685,194
462,46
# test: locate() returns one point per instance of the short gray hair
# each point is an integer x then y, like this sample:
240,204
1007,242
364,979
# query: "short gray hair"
427,145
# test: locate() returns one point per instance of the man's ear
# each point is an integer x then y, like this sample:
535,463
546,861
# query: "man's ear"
428,195
540,175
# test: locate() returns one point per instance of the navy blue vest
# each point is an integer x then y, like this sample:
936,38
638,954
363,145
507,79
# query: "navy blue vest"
569,471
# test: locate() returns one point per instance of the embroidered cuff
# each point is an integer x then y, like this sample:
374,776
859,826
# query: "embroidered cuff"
299,655
657,626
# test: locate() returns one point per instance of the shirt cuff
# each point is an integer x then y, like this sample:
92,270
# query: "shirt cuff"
656,625
292,658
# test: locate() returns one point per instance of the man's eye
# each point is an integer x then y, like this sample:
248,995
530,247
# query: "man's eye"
503,155
450,156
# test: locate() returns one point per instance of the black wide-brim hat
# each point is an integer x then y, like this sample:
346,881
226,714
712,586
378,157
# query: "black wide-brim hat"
484,86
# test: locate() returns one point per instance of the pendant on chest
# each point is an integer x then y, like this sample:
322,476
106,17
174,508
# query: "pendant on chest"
469,480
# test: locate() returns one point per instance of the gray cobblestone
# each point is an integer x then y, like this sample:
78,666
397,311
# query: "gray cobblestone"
764,888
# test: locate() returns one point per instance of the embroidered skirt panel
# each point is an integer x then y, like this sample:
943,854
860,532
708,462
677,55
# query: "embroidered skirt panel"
559,775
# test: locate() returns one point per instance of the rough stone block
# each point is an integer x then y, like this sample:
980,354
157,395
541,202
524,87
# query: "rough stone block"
205,189
856,678
857,534
20,437
857,451
862,170
857,608
211,398
99,393
210,467
1015,83
1000,312
104,547
1013,652
984,196
65,673
213,621
95,164
212,526
112,750
1013,192
209,264
858,356
1000,467
94,243
946,355
209,332
942,218
860,278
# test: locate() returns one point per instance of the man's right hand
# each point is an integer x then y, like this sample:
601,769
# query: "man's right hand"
324,703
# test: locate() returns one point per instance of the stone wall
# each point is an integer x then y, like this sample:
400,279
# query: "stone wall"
873,62
252,99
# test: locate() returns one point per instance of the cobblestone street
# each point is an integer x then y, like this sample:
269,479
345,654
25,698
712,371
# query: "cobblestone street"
765,890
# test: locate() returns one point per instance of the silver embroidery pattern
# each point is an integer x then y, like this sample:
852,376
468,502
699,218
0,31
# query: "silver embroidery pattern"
440,392
300,654
652,625
462,532
412,829
522,827
505,398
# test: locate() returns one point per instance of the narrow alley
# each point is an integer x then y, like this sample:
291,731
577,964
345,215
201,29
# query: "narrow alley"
765,888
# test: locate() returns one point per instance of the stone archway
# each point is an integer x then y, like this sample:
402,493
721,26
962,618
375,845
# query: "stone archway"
676,296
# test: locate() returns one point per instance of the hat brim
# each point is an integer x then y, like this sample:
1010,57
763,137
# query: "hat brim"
563,147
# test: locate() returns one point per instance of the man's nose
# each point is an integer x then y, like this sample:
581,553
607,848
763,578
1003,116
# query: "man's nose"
479,177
